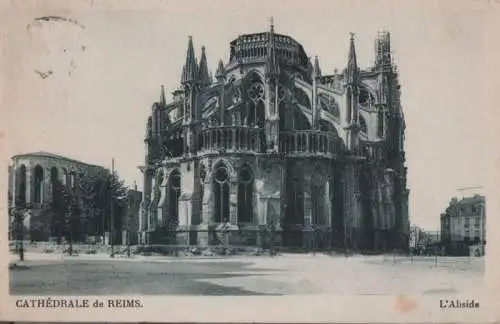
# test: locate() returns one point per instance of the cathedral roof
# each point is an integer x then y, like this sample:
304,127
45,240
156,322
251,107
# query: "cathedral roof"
54,156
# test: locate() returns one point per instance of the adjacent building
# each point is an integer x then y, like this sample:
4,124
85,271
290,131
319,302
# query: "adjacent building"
273,142
31,186
463,224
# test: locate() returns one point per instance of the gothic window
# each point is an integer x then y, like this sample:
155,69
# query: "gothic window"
380,124
317,198
221,190
255,114
256,91
245,195
64,176
38,184
54,179
295,202
21,187
174,191
362,125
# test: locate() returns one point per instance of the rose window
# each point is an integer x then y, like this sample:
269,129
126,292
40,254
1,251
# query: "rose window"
221,175
256,91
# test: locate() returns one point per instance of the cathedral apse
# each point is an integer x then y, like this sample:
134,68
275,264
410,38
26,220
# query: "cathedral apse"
270,142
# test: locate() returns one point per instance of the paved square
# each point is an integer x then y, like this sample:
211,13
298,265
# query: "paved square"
240,276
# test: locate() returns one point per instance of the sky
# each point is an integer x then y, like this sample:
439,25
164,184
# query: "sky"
107,66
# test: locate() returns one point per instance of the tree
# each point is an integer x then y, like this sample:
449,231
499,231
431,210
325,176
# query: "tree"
17,214
68,216
104,200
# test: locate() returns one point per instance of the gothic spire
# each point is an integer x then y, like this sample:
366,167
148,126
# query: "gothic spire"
203,75
189,73
272,67
383,50
352,64
163,101
316,68
220,70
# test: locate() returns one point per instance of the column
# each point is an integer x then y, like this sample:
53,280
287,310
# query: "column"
233,203
207,204
163,202
328,204
14,185
307,200
234,138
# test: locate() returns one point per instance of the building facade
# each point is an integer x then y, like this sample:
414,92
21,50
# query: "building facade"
31,186
274,143
463,224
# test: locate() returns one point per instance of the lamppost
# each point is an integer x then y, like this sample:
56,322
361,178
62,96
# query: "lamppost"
112,219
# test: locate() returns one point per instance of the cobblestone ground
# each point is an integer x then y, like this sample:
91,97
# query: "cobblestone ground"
243,276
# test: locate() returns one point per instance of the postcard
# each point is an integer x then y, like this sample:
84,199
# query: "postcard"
250,161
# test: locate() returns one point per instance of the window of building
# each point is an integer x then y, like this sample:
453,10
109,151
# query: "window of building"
477,221
467,235
467,221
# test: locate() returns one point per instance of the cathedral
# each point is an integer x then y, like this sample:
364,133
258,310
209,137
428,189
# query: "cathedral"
273,144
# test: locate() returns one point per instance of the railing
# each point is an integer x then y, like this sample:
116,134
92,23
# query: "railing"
233,139
307,142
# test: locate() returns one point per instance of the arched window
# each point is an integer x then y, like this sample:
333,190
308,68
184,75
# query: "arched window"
38,184
255,109
21,185
174,191
54,181
221,191
245,195
362,125
318,198
380,123
295,201
64,176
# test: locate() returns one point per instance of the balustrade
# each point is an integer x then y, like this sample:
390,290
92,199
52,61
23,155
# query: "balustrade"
233,138
308,142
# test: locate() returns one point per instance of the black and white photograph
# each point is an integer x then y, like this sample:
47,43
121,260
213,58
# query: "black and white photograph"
249,154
